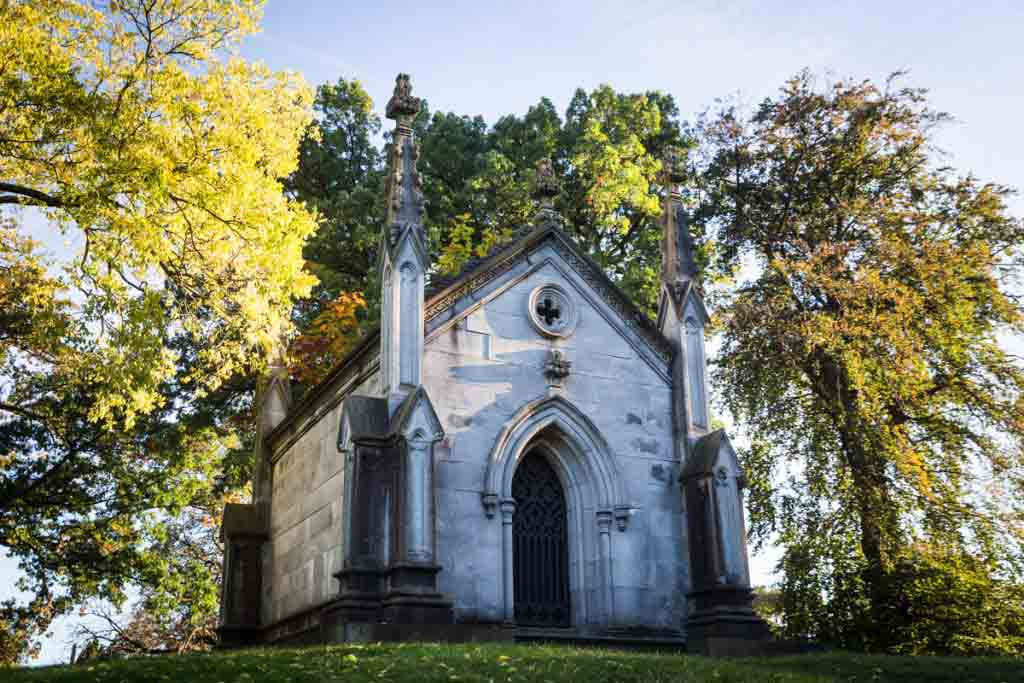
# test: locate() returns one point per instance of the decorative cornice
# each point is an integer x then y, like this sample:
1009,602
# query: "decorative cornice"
589,271
619,302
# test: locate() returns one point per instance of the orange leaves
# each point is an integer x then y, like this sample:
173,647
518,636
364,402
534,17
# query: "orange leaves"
331,335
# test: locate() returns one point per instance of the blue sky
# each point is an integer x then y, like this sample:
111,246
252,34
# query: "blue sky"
497,58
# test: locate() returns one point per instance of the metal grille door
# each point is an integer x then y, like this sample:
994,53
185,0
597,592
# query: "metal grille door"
540,545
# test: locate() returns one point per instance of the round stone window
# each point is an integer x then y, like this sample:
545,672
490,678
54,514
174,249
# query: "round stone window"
552,311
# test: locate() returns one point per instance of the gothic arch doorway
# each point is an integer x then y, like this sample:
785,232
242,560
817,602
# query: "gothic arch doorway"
540,540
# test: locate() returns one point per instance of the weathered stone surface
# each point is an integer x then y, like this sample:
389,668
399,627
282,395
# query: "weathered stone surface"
390,485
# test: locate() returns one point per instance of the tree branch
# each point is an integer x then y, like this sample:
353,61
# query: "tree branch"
25,195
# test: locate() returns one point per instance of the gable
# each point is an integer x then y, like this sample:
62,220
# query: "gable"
415,418
549,253
712,452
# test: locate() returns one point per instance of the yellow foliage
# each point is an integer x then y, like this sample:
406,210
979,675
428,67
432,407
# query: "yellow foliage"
131,125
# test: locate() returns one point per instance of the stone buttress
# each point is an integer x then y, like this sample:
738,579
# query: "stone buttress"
721,621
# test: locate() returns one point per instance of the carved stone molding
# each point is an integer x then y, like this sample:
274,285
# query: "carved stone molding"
616,300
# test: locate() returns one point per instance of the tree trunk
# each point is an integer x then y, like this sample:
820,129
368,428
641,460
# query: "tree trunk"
879,524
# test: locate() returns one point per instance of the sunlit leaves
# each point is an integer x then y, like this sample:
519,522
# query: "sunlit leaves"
862,350
129,127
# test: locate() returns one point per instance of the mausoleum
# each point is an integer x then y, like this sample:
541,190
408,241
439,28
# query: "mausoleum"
519,452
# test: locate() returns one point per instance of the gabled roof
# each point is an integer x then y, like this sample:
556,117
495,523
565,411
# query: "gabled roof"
679,297
366,417
479,271
416,401
705,454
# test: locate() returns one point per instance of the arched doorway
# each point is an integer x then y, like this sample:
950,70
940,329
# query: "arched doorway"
540,545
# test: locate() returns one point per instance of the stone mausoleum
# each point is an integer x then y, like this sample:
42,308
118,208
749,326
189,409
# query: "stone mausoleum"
519,452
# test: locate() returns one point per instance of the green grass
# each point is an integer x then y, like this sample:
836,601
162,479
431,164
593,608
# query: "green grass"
495,662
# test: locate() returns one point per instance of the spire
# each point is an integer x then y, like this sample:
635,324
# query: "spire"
404,193
545,189
678,266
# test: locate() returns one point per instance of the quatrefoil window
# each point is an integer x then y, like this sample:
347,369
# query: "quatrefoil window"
548,310
552,311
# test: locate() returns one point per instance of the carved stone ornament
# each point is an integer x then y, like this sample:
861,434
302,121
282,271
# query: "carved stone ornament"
545,187
673,166
552,311
557,368
402,106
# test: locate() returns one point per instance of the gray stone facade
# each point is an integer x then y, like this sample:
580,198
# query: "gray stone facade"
388,491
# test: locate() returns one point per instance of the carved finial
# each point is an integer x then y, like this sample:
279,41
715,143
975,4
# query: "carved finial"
673,168
403,185
678,263
402,107
545,187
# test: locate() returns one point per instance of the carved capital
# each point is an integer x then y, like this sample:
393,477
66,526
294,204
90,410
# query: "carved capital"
490,503
604,521
623,513
508,510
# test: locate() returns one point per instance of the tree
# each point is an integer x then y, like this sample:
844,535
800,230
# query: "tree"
129,127
606,153
477,180
862,352
477,184
178,606
123,127
340,174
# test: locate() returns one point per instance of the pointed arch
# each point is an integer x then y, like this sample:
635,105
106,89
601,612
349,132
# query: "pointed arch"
590,461
593,485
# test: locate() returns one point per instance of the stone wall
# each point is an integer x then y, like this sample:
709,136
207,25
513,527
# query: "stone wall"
308,476
481,370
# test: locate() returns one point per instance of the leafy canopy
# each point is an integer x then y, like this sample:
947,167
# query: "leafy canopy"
477,182
124,128
861,348
129,127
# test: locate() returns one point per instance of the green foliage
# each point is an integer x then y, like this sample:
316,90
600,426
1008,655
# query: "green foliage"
943,600
503,662
128,126
340,175
477,182
130,129
862,349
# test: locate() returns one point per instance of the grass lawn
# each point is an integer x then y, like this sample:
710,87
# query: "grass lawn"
494,662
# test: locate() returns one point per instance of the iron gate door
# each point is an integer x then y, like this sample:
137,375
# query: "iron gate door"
540,545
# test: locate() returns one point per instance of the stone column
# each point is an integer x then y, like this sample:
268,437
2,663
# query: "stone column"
419,517
508,511
244,530
604,529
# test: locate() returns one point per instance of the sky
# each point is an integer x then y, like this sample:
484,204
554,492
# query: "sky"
498,58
